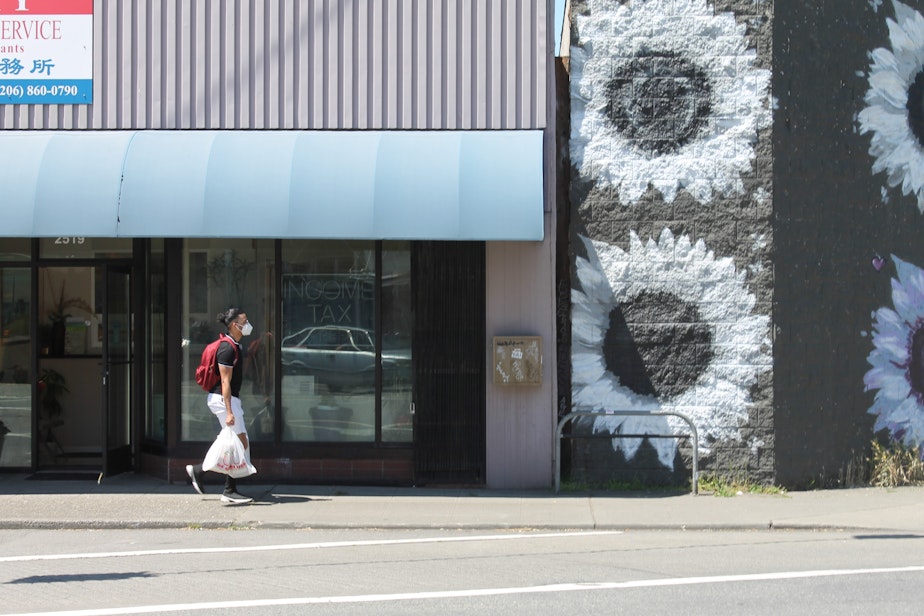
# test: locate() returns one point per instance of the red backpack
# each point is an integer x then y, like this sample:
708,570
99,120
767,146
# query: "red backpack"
207,374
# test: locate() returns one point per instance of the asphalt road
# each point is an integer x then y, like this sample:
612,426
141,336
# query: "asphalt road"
279,572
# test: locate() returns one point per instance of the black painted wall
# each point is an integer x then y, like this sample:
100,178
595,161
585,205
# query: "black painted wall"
833,217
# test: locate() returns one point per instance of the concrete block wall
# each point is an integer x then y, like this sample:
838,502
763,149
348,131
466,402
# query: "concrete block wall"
747,208
671,223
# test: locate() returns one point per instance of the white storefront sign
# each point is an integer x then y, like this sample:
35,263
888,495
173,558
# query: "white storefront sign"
46,52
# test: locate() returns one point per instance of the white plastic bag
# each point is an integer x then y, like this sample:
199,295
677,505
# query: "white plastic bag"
228,456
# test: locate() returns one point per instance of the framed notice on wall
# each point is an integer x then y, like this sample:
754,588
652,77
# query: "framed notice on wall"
46,52
517,360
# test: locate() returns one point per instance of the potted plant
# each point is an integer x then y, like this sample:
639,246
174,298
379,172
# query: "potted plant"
58,317
52,386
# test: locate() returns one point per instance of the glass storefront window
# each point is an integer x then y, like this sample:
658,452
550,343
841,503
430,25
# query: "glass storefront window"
85,247
397,328
69,318
218,274
328,340
15,249
155,413
15,367
343,342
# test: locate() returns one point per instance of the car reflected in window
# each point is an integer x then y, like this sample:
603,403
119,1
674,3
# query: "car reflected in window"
339,356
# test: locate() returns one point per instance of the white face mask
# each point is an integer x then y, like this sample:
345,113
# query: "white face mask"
246,328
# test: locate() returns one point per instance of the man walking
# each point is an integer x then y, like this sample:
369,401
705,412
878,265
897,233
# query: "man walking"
224,400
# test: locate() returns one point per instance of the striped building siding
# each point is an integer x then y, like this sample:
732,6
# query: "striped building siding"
311,64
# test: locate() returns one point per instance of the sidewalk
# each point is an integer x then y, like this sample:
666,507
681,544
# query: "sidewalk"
141,502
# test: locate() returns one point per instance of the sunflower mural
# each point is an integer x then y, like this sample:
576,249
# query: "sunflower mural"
665,93
894,119
685,316
894,112
897,359
668,100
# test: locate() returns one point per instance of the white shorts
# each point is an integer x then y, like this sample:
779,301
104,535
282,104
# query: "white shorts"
217,406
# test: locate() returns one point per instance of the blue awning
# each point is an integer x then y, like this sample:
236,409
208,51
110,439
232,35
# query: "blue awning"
439,185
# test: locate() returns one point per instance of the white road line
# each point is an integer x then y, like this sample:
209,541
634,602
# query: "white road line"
301,546
478,592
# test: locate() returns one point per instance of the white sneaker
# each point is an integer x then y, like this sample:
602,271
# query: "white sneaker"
195,477
233,498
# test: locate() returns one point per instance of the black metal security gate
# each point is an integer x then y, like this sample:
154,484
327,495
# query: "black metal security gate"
449,355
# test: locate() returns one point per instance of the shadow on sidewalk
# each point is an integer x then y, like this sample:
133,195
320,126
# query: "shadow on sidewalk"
271,498
130,483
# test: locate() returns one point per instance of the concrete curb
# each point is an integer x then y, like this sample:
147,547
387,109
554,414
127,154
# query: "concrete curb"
412,526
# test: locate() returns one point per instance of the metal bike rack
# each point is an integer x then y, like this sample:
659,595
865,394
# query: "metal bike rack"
693,434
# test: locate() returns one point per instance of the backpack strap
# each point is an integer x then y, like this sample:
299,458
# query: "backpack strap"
237,352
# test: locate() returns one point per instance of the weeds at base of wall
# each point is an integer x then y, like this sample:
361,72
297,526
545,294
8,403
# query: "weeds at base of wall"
886,466
731,486
895,467
708,484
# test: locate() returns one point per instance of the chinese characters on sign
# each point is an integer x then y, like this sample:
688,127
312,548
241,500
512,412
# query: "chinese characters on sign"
46,52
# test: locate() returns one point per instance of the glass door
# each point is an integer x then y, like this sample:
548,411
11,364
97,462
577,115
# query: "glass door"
117,370
70,368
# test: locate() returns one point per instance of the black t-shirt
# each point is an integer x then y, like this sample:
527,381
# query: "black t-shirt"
226,357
